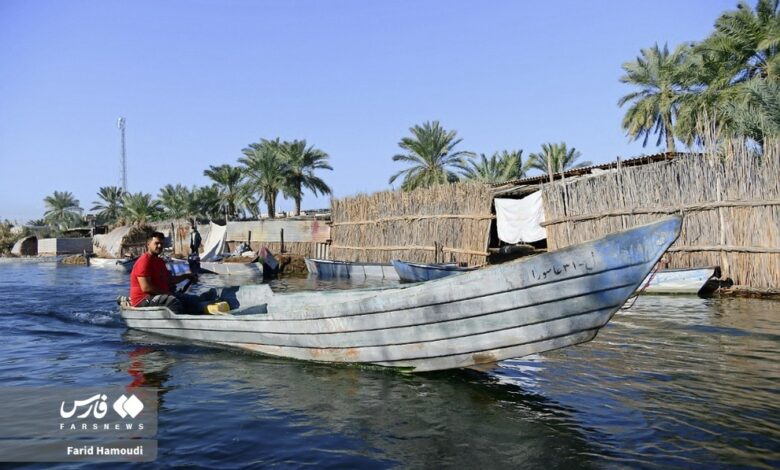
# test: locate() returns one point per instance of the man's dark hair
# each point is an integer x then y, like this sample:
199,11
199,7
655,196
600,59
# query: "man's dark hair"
159,235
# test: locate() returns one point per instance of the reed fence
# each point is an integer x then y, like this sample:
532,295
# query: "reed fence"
730,200
445,223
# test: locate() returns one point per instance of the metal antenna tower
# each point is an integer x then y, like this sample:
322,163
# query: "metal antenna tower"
120,123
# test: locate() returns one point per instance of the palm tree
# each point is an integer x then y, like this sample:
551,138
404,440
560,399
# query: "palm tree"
757,114
229,182
661,79
139,208
300,163
431,152
746,42
559,156
37,223
206,202
62,210
265,170
176,201
500,167
736,73
109,204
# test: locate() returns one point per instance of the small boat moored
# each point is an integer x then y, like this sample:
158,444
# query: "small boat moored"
334,269
420,272
680,281
123,264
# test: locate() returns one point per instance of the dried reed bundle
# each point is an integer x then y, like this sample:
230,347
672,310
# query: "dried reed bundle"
444,223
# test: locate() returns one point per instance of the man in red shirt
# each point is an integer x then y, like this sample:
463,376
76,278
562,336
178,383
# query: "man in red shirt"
151,283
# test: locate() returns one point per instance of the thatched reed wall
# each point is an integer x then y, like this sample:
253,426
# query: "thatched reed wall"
445,223
731,207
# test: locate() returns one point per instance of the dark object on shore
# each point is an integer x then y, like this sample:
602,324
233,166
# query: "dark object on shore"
76,260
270,264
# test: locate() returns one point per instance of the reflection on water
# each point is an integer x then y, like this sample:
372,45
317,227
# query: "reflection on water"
432,420
673,382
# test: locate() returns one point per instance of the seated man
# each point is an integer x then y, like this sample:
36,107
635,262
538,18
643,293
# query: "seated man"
152,284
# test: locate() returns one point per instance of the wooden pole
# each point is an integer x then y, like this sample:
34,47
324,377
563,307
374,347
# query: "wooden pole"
724,262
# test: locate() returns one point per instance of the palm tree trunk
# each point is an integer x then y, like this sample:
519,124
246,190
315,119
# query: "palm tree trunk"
270,201
669,134
298,205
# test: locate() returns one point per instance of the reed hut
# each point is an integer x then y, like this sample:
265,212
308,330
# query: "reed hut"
730,200
445,223
27,246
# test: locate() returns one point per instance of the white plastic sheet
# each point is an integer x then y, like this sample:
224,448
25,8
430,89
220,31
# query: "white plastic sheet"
214,245
110,244
518,220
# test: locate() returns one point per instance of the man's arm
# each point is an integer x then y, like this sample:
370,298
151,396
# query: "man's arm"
148,288
183,277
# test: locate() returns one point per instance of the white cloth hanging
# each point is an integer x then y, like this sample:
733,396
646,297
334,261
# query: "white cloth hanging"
518,220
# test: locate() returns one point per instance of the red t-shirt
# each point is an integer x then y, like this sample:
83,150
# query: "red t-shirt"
152,267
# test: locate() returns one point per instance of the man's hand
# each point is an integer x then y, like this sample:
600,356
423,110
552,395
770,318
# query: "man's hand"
184,277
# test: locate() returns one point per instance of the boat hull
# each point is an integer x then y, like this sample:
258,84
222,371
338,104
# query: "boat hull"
529,306
332,269
678,281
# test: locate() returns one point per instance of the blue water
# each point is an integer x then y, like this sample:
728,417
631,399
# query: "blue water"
672,382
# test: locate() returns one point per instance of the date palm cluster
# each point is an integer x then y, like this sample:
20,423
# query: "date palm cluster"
728,84
432,158
700,93
266,169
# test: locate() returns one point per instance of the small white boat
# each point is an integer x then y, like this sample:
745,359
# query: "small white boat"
234,269
679,281
334,269
124,264
524,307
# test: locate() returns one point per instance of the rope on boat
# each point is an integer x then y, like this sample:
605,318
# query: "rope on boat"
639,292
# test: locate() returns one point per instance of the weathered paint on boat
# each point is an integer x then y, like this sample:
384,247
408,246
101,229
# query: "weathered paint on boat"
420,272
528,306
334,269
678,281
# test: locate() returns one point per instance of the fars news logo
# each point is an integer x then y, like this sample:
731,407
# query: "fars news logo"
96,408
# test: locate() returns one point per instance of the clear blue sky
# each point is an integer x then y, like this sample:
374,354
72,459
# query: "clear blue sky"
198,80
